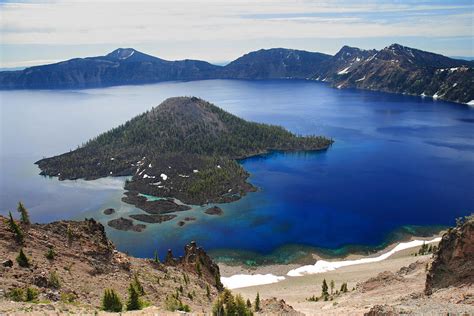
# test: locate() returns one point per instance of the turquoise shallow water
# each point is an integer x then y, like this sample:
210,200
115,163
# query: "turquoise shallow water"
397,161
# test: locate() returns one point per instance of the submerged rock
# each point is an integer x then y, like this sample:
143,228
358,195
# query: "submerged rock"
126,225
152,218
109,211
214,211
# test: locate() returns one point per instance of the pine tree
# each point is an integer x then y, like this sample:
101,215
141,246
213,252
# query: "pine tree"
22,259
324,288
344,287
25,217
156,258
249,304
111,301
15,229
138,286
331,284
257,302
133,302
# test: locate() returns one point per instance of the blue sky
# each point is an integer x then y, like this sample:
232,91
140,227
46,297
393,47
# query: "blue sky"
38,32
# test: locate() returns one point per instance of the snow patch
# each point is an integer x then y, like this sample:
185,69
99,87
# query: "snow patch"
361,79
128,56
344,71
470,103
243,280
163,176
195,171
183,176
324,266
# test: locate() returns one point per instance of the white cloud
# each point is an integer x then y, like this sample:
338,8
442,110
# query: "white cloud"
84,22
212,21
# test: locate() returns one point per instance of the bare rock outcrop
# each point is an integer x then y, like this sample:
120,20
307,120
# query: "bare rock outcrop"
453,264
196,260
274,306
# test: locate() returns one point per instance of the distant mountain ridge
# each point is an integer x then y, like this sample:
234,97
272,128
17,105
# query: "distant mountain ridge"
401,69
396,69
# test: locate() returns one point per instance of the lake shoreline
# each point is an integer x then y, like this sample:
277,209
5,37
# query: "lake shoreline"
295,254
241,276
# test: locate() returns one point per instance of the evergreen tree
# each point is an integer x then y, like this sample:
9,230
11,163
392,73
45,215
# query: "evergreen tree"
138,286
133,302
31,294
156,257
15,229
249,304
111,301
25,217
22,259
324,288
257,302
344,287
331,284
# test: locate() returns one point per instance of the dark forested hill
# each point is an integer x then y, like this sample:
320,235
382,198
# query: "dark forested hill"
185,148
120,67
395,69
275,63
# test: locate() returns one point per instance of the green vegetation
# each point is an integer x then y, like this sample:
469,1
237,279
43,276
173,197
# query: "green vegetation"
111,301
198,269
68,297
22,295
31,294
324,290
25,217
173,303
257,302
228,305
134,302
190,134
53,280
50,254
15,229
70,235
22,259
325,295
137,285
17,295
343,287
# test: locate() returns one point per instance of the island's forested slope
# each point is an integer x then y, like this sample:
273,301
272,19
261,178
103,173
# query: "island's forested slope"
185,147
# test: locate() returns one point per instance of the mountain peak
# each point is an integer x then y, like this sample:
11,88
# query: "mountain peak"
122,53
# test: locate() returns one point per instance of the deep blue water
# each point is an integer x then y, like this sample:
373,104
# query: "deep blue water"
397,160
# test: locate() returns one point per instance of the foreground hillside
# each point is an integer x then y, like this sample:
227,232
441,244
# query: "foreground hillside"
395,69
67,267
185,148
74,262
426,284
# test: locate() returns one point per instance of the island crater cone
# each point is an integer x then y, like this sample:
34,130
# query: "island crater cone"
185,148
